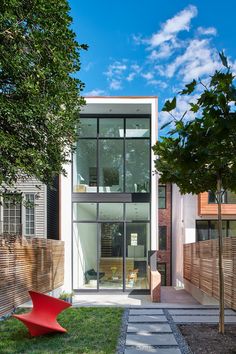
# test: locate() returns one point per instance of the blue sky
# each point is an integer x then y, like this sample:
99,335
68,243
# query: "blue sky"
151,47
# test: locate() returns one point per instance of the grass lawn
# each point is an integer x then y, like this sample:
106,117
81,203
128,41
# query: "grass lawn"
90,330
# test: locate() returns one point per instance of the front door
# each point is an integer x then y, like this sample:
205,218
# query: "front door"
111,255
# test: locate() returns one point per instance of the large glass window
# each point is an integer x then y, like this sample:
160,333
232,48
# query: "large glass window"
100,248
202,230
137,166
137,246
84,211
110,128
227,197
115,152
208,229
110,211
137,128
137,211
87,128
232,228
85,256
162,197
111,166
30,214
85,166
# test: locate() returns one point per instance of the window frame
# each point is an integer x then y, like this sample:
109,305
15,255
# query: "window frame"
124,139
160,197
25,215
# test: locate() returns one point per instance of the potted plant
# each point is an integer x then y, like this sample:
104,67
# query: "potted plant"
66,296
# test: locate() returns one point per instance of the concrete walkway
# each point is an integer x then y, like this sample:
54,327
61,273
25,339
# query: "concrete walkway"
153,330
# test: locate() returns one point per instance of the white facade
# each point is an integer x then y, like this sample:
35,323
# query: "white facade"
106,105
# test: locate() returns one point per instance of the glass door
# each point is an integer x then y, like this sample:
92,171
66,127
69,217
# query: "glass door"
110,255
137,245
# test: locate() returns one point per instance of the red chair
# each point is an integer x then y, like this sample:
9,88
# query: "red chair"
42,318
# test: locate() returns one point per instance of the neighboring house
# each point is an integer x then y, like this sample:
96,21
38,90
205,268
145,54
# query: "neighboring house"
164,254
36,215
194,218
108,201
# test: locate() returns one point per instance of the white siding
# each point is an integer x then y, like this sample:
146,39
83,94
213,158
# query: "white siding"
39,189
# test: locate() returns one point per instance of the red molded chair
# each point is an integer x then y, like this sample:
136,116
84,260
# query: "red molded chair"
42,318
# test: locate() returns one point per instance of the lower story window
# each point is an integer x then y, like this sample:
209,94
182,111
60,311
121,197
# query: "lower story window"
208,229
11,216
162,237
30,214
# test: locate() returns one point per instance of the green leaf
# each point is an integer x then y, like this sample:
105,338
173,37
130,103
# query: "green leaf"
169,105
194,107
165,125
223,59
189,88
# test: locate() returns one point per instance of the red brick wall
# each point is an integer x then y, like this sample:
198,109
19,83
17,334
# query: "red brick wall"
164,219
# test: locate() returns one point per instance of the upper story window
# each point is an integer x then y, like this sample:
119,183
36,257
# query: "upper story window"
227,197
162,197
112,155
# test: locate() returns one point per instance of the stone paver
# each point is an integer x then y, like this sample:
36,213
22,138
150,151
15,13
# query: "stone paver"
146,312
202,319
150,339
200,312
147,318
153,330
148,327
145,350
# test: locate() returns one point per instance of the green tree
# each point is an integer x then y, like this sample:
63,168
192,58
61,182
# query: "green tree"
39,92
199,154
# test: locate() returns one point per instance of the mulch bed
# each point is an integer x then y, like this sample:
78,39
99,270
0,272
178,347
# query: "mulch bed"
205,338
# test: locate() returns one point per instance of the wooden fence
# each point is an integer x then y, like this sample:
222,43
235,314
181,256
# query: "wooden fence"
201,268
28,264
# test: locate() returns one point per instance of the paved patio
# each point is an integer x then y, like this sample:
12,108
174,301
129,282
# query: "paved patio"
169,296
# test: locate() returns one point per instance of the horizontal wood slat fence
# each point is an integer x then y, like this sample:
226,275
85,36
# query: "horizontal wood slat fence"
28,263
201,268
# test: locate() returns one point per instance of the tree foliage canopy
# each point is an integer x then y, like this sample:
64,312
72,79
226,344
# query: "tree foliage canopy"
39,94
196,151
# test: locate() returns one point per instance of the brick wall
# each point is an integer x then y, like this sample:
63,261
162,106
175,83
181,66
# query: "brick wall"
164,218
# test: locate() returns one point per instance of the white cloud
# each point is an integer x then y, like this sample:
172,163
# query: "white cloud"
199,59
147,76
95,92
131,76
116,68
180,22
115,84
88,66
207,31
163,52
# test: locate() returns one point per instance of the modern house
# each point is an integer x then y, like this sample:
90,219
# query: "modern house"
35,214
109,198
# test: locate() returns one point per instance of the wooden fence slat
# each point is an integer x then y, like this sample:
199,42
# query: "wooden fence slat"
28,264
201,268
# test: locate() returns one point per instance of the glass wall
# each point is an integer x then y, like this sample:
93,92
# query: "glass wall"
111,166
137,166
112,156
107,237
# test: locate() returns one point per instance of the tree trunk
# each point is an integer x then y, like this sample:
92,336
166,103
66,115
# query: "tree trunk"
220,242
